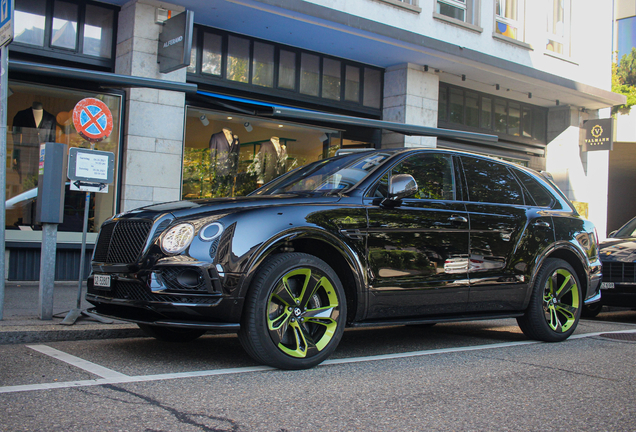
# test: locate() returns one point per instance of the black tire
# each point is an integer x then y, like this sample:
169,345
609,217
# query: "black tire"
592,310
286,325
171,334
555,305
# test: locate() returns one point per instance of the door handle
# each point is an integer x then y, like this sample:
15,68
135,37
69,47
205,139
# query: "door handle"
456,218
541,224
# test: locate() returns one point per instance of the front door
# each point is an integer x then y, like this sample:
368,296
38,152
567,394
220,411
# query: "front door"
418,250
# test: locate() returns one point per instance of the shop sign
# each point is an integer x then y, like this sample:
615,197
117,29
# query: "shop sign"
598,134
6,22
175,42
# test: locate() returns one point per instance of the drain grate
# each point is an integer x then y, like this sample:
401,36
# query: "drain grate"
620,336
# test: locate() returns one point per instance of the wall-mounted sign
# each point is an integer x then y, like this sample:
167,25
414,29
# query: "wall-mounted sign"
175,42
599,134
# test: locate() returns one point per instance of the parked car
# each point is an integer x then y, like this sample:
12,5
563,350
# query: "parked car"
618,256
364,239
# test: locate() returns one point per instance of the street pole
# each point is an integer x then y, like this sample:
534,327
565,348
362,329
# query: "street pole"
4,83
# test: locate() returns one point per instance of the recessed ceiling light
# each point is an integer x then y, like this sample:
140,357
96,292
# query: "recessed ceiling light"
280,125
229,118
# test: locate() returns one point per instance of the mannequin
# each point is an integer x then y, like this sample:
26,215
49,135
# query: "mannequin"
224,150
270,160
31,127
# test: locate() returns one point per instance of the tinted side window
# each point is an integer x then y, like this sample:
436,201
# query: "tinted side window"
541,197
491,182
433,174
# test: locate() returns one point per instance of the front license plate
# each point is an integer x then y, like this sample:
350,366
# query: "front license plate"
101,281
607,285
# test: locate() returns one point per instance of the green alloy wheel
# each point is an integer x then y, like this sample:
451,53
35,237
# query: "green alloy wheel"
555,305
295,312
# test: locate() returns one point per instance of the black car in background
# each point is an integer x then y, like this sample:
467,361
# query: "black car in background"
385,237
618,256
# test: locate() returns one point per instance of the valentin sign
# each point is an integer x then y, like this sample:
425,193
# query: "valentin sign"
599,134
175,42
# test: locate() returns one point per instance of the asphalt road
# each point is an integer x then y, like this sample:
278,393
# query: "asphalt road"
473,376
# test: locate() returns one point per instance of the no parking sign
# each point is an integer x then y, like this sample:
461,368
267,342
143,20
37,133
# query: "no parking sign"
92,119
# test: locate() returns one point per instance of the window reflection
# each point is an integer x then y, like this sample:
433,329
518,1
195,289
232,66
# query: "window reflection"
490,182
98,31
64,25
29,22
212,54
238,56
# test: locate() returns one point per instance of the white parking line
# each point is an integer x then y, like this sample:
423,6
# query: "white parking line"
111,377
78,362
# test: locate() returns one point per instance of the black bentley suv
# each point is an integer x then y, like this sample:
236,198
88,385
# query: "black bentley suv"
385,237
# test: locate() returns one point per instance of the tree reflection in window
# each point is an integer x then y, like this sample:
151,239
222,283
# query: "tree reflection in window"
491,182
433,174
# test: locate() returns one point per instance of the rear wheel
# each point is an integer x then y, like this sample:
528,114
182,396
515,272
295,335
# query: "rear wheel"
555,305
171,334
295,312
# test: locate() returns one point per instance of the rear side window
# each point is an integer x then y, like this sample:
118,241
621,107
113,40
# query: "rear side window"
539,194
433,174
491,182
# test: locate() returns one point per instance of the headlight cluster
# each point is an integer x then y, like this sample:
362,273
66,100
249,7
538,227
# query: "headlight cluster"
177,238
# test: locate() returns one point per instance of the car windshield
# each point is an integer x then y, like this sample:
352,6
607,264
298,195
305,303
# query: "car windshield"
327,176
627,230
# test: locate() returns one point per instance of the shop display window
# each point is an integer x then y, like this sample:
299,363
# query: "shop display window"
52,110
229,155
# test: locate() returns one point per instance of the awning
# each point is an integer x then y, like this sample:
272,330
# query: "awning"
280,111
102,78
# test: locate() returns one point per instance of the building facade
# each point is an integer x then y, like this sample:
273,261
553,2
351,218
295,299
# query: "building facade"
274,84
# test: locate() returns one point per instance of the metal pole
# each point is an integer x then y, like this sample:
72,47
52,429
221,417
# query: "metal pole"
4,83
87,204
47,270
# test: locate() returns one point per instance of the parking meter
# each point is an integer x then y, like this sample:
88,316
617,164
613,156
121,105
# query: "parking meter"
51,182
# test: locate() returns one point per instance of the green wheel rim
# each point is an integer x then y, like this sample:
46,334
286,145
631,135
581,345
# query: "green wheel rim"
561,300
302,312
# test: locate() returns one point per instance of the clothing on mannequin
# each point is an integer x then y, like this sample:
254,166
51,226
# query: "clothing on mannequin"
224,151
31,127
270,161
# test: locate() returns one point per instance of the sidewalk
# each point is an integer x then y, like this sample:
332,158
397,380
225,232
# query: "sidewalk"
21,323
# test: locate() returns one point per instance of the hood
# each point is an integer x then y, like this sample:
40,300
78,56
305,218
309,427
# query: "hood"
618,249
184,209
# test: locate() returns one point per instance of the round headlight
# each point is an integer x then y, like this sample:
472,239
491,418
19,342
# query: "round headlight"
177,238
211,231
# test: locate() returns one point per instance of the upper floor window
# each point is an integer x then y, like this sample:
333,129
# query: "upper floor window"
509,18
461,10
221,58
559,27
65,27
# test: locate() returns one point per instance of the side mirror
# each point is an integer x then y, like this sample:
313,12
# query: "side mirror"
401,186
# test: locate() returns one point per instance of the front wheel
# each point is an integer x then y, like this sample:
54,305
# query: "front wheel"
555,305
295,312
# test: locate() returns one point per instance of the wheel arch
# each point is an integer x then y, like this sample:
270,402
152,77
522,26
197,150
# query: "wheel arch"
341,257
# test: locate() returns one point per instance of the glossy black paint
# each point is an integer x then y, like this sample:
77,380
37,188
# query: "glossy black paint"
399,261
618,255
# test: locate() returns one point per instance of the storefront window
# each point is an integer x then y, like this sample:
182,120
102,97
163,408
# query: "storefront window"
331,79
64,25
287,70
352,84
231,155
309,74
212,54
30,17
52,109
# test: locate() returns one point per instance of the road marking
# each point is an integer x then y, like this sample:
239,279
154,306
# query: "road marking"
117,378
78,362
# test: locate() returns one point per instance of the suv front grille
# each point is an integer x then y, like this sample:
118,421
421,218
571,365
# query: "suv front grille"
619,272
121,242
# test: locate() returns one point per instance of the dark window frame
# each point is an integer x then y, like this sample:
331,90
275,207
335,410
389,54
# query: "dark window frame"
201,78
444,119
76,54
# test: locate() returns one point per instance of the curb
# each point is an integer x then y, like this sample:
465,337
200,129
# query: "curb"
37,334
